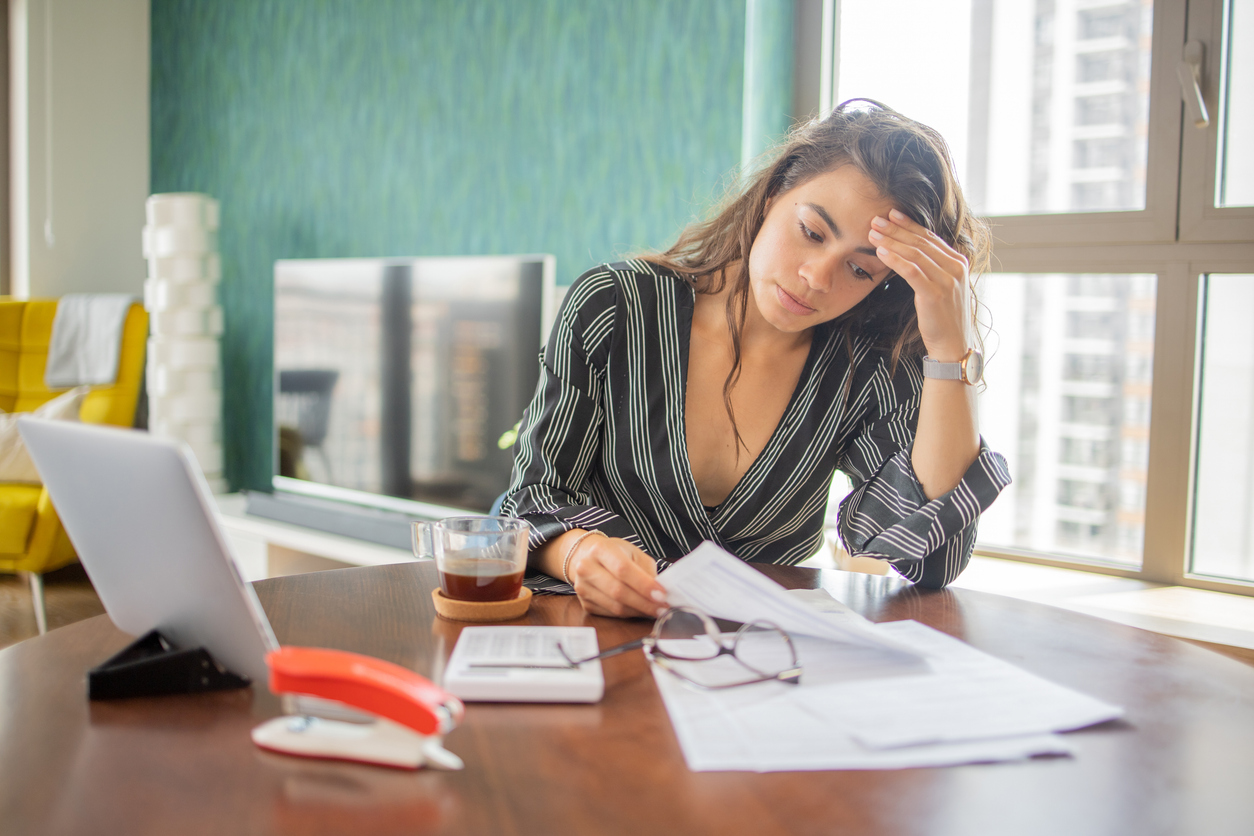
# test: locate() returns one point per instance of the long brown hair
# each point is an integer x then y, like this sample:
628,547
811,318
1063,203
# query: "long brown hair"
907,162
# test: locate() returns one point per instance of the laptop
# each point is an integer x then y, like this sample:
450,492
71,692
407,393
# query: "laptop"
142,519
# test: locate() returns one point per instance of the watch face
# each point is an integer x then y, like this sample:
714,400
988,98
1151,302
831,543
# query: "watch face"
973,367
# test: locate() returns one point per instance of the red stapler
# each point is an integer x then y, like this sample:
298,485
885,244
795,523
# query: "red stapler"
410,713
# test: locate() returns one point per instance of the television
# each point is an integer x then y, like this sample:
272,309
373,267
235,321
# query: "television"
397,385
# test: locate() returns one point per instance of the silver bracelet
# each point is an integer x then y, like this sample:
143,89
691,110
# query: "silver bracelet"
571,552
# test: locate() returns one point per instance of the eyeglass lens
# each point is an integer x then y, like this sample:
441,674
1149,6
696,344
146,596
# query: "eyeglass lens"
685,636
764,649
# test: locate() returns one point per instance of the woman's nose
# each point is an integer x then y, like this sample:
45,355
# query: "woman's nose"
818,272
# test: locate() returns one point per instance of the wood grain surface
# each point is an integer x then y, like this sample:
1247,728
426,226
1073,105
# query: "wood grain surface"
1179,763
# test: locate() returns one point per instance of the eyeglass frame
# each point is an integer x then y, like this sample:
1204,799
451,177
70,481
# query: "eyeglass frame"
791,675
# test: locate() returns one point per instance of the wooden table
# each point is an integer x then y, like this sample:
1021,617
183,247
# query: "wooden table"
1181,762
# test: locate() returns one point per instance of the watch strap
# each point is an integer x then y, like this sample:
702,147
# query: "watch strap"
941,371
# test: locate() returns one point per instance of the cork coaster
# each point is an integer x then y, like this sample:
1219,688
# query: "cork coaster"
482,611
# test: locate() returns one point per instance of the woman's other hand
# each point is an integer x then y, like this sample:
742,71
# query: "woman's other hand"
611,576
937,273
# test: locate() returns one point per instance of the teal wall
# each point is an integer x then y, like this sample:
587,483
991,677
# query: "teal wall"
583,128
768,70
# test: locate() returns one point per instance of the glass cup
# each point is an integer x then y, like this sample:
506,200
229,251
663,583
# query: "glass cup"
478,558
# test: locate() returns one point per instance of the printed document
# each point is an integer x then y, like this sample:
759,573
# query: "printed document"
715,582
872,696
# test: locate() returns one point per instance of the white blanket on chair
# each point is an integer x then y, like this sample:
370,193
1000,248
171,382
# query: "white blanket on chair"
86,339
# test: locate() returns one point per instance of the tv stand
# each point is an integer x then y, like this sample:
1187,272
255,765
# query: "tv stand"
357,522
256,540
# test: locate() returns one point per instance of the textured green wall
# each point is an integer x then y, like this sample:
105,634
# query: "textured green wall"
769,58
584,128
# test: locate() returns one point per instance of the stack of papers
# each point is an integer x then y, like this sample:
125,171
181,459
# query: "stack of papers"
872,696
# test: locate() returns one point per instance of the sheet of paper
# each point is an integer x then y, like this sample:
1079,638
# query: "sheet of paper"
724,586
769,732
968,695
819,600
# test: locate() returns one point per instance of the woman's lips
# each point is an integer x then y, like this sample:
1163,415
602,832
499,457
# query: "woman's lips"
792,303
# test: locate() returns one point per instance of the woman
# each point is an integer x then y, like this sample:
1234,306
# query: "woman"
710,391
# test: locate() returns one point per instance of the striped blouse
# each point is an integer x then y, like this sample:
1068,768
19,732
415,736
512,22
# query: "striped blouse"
602,445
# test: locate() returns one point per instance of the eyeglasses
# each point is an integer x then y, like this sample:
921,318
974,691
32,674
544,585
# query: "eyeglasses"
686,642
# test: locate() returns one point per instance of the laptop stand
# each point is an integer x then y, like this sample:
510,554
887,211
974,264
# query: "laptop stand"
153,665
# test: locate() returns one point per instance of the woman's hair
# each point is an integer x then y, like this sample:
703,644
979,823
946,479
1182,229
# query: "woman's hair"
907,162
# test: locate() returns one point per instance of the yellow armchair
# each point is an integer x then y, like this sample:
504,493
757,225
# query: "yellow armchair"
32,540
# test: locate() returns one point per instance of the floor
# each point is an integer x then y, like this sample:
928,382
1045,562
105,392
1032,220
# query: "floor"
1223,623
68,597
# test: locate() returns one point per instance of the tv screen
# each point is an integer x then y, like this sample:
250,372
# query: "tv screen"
395,379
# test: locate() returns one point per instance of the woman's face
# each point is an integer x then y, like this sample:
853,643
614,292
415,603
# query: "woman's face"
812,259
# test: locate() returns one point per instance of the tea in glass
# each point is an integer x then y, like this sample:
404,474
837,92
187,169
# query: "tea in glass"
478,558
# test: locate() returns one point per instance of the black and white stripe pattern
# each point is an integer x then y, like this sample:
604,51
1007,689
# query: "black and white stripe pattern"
602,445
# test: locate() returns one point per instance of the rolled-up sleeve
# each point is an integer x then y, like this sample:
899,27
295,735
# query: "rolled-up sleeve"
887,515
559,439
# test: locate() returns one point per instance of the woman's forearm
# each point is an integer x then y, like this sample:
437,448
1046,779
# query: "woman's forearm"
947,440
548,558
948,437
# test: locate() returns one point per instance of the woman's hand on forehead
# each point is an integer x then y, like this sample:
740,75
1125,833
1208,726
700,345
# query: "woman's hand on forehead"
937,273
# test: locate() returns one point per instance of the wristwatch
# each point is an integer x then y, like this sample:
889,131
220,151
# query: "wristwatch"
970,369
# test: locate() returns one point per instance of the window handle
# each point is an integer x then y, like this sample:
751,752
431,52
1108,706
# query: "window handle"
1189,72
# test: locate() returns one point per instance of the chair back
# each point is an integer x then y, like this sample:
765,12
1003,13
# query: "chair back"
26,333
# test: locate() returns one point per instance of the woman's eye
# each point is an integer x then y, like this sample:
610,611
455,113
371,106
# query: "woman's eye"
809,233
858,272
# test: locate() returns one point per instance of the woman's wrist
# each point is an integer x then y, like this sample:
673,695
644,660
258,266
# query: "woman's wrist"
572,549
550,556
946,351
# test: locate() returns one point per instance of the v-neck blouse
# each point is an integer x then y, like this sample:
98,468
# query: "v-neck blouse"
602,445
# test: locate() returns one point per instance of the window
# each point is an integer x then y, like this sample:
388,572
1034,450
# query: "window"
1104,23
1236,113
1108,65
1088,452
1045,105
1061,409
1124,247
1223,504
1099,153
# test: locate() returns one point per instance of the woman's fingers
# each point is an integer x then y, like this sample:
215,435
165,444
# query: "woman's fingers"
596,602
900,227
909,262
936,272
917,255
613,577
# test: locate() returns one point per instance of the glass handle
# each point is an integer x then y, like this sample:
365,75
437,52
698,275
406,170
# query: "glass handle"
423,535
1189,73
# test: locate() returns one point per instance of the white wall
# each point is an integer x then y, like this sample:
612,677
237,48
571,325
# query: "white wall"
79,82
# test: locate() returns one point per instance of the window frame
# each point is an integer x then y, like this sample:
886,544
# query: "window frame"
1200,218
